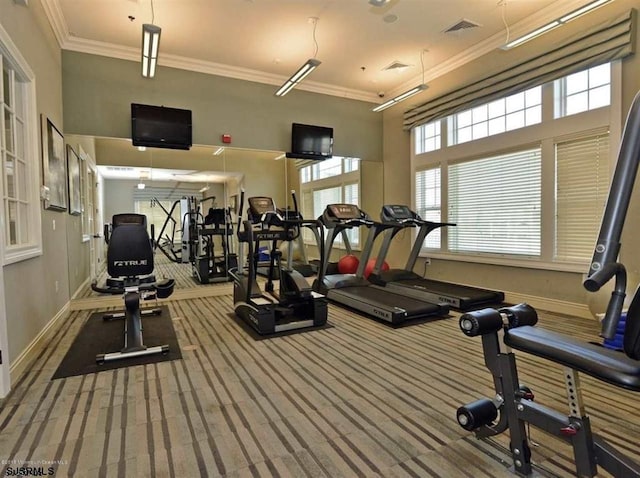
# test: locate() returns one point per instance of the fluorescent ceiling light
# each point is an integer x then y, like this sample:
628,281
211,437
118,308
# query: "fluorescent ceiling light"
142,148
581,11
555,23
400,97
150,46
298,76
218,151
141,186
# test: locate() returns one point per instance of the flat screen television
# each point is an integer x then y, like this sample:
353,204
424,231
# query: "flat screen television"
311,142
160,127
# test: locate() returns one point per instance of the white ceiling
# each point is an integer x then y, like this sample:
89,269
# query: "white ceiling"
267,40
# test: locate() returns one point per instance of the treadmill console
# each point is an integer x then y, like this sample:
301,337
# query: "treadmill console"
344,212
396,212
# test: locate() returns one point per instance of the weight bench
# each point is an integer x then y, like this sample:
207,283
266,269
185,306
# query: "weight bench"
515,404
130,264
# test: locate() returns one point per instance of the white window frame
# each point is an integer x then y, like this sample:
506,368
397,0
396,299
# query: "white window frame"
342,180
481,117
26,77
428,137
546,134
561,94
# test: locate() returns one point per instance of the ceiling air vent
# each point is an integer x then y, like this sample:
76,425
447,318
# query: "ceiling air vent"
462,24
396,65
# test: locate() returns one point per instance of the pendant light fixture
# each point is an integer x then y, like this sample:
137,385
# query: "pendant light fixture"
310,65
150,46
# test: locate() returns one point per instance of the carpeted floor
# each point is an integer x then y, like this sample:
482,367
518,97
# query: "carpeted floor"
358,399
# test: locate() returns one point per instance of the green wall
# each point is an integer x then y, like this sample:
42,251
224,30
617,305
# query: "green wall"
246,110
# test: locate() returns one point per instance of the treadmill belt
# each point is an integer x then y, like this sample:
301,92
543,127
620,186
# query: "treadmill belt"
375,296
468,296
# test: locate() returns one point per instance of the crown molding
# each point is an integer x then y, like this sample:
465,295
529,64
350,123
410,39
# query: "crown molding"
494,42
112,50
56,20
67,42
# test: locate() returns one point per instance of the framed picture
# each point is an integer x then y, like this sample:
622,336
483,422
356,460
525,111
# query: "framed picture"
53,166
73,168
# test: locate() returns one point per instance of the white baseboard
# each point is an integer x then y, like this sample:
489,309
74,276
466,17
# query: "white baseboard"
21,363
552,305
82,287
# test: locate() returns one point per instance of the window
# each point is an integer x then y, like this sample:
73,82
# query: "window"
534,198
328,168
336,180
506,114
428,202
19,157
582,186
495,203
427,137
583,91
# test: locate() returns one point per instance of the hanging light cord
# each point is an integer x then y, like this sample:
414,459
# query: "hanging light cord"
153,14
315,24
504,20
422,63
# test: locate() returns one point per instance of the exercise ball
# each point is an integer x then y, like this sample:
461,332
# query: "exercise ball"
348,264
371,263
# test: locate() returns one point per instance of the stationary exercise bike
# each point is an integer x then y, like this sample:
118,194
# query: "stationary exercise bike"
130,264
512,408
295,306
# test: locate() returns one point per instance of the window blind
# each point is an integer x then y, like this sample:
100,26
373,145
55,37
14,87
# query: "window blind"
428,202
582,184
603,43
170,194
495,203
351,196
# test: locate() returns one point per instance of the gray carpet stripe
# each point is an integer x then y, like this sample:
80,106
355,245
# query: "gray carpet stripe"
78,443
379,377
31,421
191,423
149,431
300,439
24,384
166,436
280,433
108,425
356,411
353,421
189,331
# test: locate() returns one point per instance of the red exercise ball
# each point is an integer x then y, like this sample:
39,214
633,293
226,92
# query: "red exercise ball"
348,264
371,264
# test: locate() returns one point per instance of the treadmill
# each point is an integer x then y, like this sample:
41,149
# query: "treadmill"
353,290
458,296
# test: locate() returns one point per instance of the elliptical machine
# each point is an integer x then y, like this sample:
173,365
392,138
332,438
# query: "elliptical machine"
296,305
208,266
